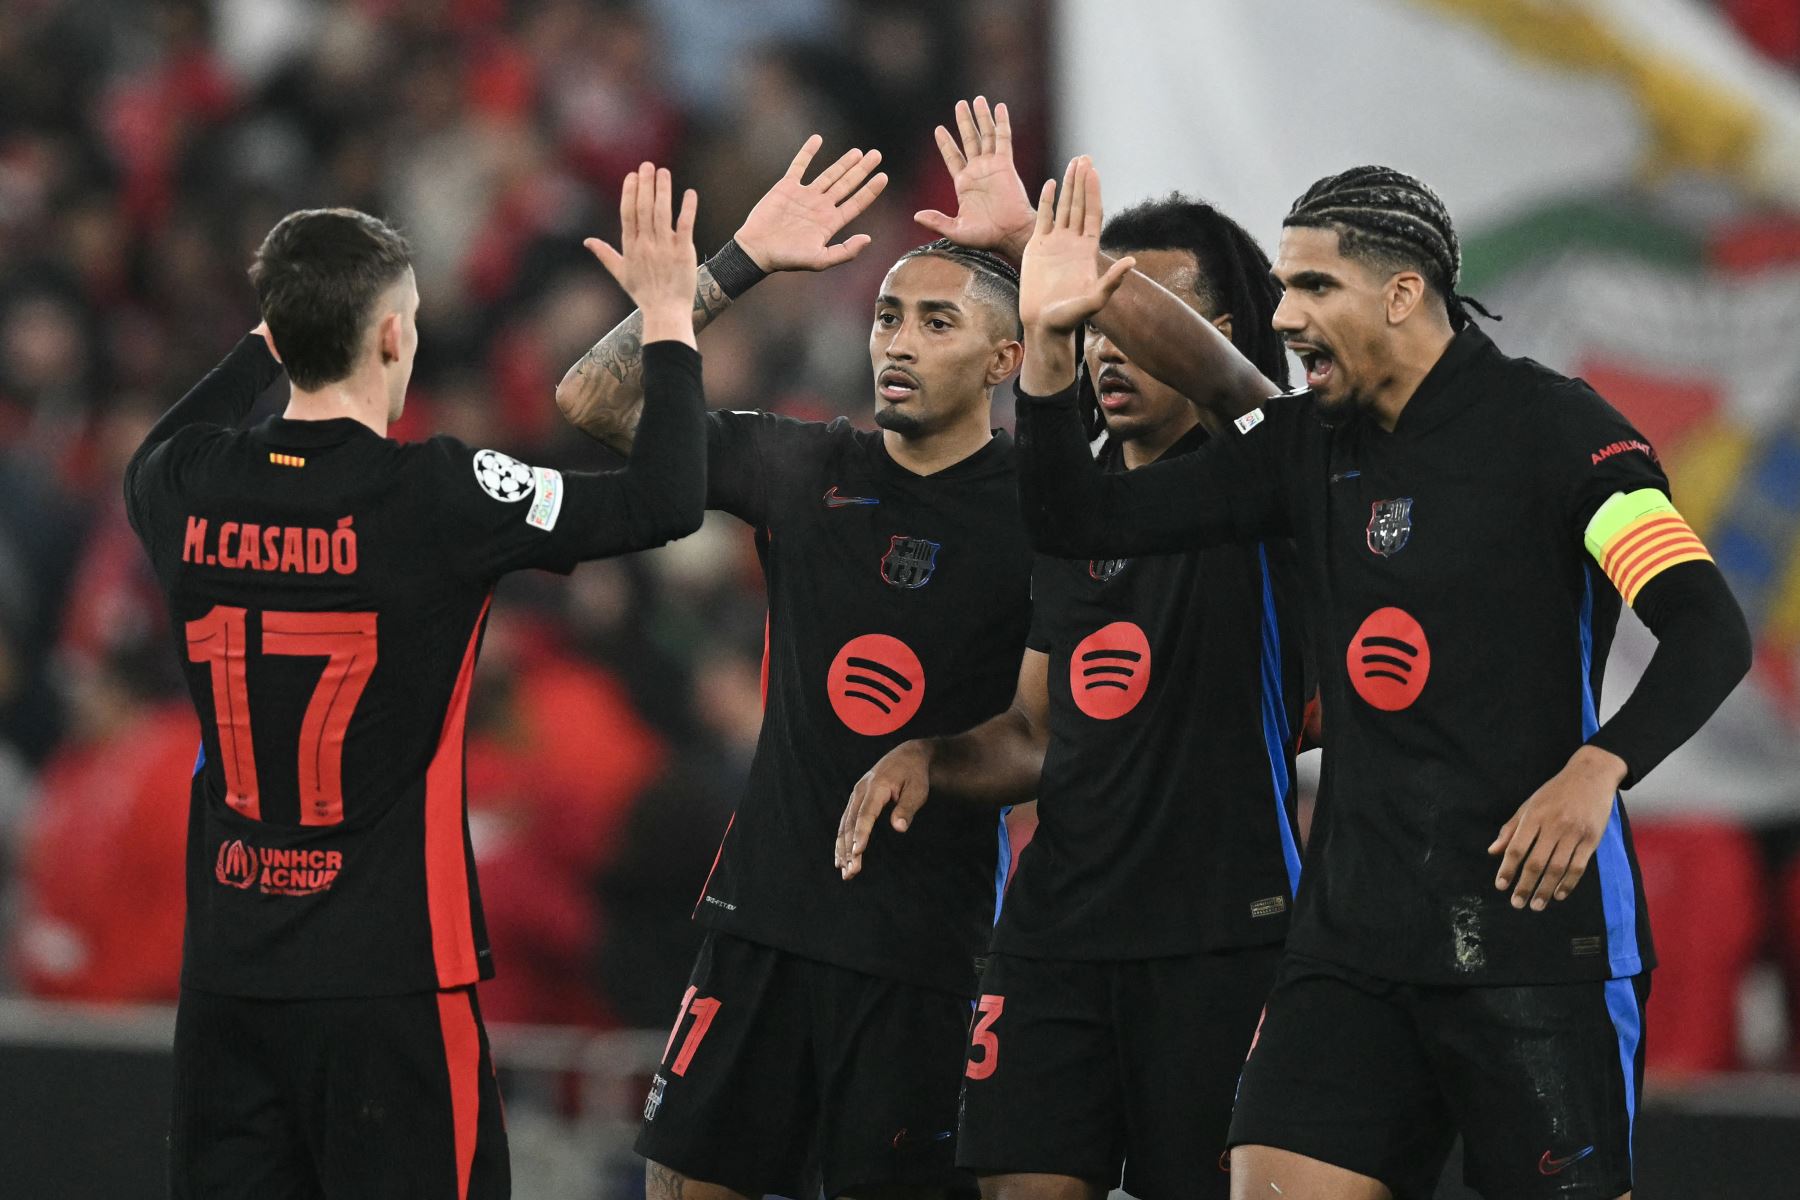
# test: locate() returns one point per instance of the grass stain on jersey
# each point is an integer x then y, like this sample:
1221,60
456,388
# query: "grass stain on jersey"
1465,934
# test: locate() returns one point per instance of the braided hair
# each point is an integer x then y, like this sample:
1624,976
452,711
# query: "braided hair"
1233,277
996,281
1388,218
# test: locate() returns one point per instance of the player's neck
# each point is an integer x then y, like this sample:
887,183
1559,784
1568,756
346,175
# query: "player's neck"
1418,353
927,454
361,400
1153,444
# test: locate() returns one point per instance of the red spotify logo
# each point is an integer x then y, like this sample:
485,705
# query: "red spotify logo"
1389,659
876,684
1110,670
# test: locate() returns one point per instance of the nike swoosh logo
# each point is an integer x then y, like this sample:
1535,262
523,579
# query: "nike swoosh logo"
833,500
1556,1166
1341,476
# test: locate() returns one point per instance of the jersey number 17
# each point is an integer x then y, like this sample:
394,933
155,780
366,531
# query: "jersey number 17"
345,640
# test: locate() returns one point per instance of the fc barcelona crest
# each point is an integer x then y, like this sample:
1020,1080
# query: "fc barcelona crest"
909,561
1390,525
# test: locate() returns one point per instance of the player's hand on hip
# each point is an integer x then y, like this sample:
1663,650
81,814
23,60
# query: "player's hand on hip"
791,227
655,262
902,778
993,210
1060,283
1546,847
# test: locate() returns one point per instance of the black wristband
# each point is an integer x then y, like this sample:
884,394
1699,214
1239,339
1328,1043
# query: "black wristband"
734,270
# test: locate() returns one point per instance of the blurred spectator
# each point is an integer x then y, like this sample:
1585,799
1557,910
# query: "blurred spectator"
102,870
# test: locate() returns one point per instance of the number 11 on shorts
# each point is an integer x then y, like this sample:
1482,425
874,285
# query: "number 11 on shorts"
704,1008
983,1038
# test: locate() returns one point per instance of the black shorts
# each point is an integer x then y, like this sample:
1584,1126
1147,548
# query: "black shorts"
1112,1070
1378,1077
784,1076
381,1097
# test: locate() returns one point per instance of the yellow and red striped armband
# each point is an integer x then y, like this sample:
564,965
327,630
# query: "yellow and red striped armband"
1636,536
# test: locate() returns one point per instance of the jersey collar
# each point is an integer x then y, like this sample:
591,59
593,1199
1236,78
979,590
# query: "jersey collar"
993,453
280,431
1452,384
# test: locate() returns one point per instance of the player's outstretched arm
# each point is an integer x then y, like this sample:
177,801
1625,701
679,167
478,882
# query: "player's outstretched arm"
1071,506
995,764
790,229
1160,332
661,492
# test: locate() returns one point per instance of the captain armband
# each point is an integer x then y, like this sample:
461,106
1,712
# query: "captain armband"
1636,536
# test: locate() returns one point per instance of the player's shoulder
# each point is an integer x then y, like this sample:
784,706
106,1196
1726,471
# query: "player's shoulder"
783,439
457,472
1288,411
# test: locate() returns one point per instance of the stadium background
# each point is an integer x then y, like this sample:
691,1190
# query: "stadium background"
1626,174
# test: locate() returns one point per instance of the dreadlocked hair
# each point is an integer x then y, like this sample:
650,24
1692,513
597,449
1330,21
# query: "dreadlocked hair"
1389,218
1233,277
996,280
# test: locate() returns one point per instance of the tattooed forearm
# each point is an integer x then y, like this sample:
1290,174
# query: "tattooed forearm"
660,1183
620,353
603,393
709,299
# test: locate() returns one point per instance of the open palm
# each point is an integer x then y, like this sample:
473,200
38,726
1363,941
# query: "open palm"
1060,283
791,227
993,211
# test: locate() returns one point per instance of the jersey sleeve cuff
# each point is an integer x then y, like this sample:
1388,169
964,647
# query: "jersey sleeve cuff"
252,353
672,355
1064,398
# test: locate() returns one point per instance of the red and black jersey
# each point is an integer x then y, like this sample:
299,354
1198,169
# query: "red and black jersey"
898,606
1460,629
1166,810
328,588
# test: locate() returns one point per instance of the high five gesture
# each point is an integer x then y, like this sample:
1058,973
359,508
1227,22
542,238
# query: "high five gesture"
655,262
993,211
791,227
1060,281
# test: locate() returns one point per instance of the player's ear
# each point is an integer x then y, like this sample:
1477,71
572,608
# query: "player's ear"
1405,289
1222,323
1004,362
387,338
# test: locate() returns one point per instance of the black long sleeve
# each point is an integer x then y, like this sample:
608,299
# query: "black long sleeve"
573,516
1074,509
223,397
660,493
1702,652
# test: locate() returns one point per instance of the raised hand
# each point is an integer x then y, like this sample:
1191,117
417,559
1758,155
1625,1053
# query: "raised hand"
993,211
791,227
1060,284
655,262
902,777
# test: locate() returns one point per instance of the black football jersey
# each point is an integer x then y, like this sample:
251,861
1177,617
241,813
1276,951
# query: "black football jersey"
1460,628
1166,810
898,607
328,588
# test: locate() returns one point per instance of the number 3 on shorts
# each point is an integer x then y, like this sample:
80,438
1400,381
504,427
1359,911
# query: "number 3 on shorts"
984,1038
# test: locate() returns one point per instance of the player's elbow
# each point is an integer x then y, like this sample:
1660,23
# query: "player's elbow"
1736,649
678,511
568,400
